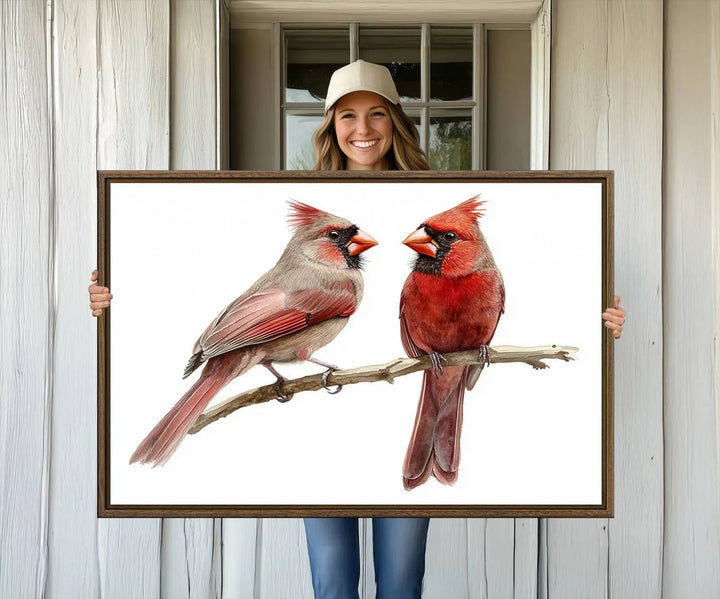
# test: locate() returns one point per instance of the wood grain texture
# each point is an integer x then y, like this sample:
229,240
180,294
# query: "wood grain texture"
129,558
525,577
192,85
490,558
447,566
241,538
577,550
26,297
72,543
188,569
634,75
187,558
691,558
283,565
499,557
133,132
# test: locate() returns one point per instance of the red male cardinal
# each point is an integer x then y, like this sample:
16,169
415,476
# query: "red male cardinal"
451,301
295,308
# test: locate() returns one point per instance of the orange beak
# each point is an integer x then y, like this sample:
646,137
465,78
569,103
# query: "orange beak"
421,242
360,242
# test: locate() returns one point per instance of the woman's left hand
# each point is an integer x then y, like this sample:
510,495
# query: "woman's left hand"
615,318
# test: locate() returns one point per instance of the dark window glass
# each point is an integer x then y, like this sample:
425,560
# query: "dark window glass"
311,57
451,63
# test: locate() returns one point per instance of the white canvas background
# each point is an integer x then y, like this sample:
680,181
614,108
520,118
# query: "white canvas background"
181,252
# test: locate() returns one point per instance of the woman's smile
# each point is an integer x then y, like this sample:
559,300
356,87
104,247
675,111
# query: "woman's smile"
364,144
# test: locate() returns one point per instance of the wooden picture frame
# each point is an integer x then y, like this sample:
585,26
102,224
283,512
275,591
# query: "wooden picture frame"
180,245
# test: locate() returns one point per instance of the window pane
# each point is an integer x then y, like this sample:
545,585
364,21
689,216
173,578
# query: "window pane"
451,63
299,129
450,140
399,50
415,118
312,56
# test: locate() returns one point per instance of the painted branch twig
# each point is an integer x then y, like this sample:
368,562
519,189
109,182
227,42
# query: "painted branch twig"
533,356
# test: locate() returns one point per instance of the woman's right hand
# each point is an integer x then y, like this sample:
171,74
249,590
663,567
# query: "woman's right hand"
99,296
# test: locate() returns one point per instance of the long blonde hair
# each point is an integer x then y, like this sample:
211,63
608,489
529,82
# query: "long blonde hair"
404,155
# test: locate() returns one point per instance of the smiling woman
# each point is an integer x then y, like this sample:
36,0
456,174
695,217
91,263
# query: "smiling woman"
365,128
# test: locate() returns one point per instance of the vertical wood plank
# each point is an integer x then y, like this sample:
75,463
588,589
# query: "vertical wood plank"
241,539
187,558
133,119
283,569
187,544
525,577
193,100
490,558
72,544
476,562
26,297
577,550
446,559
500,557
691,558
133,131
129,557
634,75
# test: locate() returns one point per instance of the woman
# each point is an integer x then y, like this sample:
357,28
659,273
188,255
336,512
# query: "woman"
365,129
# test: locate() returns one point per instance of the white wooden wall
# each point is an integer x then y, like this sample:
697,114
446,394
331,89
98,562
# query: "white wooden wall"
132,84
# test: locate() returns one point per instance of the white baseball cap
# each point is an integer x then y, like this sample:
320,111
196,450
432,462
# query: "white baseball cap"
361,76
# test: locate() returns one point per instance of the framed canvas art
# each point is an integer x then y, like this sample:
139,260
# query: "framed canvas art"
367,344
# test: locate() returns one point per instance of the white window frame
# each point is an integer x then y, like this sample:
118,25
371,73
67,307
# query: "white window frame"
538,19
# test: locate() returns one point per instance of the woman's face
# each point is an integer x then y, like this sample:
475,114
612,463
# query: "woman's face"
364,130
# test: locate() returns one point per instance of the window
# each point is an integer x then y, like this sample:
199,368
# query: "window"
433,69
467,87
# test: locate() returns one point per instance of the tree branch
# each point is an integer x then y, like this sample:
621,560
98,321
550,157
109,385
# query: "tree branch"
533,356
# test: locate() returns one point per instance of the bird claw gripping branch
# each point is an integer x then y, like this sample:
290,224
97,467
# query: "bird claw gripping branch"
282,397
325,385
436,359
484,356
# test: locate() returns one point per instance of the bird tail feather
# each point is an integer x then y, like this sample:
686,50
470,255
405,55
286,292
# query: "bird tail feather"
435,442
162,441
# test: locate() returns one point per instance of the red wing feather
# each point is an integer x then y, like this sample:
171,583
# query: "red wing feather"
271,314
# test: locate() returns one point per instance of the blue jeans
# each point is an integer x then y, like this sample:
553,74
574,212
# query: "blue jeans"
398,555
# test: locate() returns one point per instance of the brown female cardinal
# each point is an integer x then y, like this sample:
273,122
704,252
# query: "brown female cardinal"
298,306
451,301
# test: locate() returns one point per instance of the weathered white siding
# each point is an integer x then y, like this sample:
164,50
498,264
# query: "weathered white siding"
606,112
27,315
73,527
691,230
120,84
